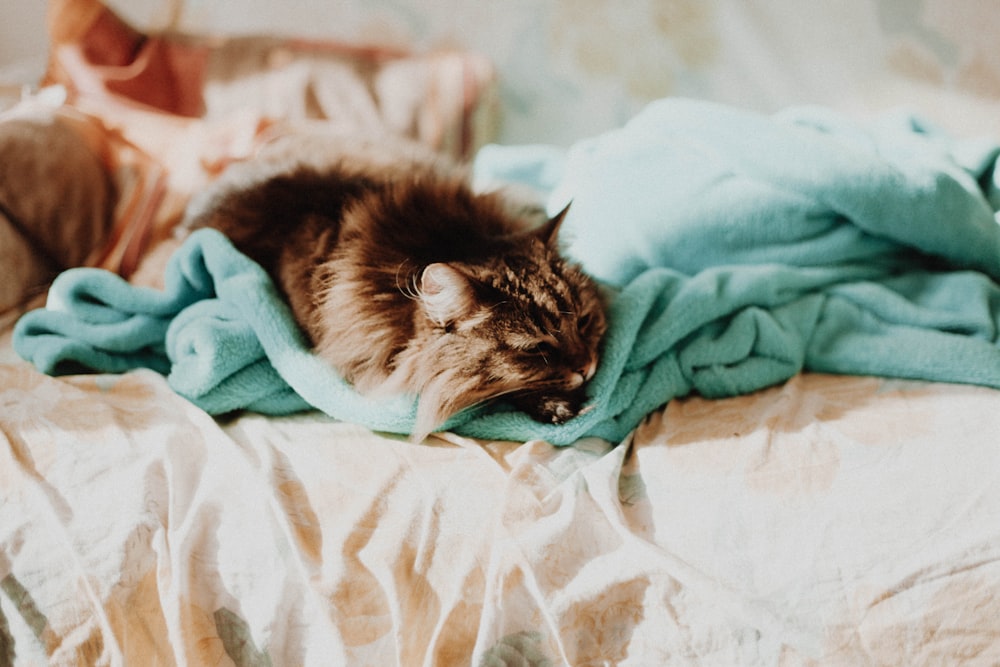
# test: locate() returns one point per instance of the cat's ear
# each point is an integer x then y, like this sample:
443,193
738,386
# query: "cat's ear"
445,293
548,232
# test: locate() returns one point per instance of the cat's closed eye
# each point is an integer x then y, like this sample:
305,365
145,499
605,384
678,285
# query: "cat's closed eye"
541,349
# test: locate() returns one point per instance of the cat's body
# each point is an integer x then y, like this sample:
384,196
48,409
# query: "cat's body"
407,281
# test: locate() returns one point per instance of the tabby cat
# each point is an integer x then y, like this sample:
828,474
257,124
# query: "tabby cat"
406,280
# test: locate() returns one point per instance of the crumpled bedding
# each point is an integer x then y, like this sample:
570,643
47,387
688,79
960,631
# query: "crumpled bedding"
738,267
832,520
113,69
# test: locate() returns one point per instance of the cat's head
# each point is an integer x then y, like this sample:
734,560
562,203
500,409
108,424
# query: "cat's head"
522,323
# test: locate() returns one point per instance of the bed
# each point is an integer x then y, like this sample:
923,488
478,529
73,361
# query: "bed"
827,502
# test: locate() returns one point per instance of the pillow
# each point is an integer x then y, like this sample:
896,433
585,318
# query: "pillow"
56,197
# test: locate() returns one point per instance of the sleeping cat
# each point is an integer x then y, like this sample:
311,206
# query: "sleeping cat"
406,280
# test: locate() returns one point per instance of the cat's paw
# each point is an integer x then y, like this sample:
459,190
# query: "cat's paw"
551,408
556,410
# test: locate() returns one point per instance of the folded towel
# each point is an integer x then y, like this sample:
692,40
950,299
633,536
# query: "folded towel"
741,249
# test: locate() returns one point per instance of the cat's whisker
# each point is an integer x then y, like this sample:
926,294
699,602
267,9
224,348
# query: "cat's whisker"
410,289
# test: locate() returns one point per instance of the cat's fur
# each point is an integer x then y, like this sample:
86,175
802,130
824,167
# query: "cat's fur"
405,280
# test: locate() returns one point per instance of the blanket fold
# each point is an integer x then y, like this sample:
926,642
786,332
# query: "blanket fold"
741,249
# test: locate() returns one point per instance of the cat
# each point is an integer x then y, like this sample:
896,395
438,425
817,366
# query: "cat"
406,280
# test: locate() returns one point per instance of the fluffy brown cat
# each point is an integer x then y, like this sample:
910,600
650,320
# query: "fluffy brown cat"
406,280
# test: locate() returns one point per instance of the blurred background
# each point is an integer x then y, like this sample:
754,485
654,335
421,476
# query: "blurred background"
572,68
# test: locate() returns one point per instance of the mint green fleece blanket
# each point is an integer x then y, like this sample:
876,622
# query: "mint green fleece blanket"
741,249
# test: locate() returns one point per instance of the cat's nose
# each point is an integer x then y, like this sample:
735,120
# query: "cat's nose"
580,376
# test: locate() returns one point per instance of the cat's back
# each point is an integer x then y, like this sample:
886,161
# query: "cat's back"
296,189
381,201
426,212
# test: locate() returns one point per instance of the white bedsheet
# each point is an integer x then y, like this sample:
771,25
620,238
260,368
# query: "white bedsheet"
833,521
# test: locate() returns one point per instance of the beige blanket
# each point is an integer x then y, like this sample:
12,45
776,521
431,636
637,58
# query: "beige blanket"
833,521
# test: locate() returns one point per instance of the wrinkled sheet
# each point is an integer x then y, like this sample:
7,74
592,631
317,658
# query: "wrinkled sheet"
832,520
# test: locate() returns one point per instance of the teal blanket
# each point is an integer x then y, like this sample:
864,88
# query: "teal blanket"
740,248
